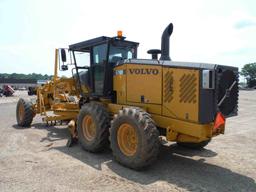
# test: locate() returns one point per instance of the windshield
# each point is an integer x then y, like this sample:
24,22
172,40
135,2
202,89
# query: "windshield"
119,53
82,58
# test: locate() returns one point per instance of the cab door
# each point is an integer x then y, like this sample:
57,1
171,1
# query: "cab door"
99,60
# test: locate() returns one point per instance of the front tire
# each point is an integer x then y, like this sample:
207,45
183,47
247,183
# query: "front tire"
134,138
93,127
24,113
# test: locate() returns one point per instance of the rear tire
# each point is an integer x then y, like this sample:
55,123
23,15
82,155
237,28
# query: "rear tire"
199,145
134,138
93,127
24,113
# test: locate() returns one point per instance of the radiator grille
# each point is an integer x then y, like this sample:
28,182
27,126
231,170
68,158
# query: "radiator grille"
168,87
225,78
188,88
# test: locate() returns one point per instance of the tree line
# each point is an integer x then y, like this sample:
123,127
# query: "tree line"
35,76
249,72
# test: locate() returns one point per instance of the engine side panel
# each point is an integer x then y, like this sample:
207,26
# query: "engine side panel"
144,84
180,93
174,92
139,85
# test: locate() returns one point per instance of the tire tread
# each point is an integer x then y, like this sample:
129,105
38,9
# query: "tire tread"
100,114
28,112
150,133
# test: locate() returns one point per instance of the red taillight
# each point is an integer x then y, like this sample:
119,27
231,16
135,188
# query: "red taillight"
219,120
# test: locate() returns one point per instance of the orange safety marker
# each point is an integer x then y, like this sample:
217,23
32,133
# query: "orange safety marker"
219,120
119,34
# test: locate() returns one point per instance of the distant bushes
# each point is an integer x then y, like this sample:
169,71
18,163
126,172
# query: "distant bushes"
35,76
249,72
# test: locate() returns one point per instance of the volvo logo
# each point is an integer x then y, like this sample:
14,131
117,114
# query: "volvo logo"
144,71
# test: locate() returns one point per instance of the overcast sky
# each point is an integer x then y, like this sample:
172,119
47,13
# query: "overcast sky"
210,31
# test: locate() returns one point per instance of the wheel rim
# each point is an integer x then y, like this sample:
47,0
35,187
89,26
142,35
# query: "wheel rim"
89,128
21,112
127,139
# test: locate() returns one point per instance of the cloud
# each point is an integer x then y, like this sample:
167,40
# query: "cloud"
245,24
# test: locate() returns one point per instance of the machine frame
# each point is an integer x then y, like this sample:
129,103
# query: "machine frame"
132,102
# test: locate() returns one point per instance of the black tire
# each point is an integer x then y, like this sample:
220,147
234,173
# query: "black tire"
199,145
6,94
101,119
147,136
24,119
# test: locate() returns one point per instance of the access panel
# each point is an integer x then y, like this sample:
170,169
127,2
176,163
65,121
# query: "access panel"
144,83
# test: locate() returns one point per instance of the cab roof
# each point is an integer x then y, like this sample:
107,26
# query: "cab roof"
85,46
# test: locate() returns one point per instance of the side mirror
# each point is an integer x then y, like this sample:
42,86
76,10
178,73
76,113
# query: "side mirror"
63,55
64,67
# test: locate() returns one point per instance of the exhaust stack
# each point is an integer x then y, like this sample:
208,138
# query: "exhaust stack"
165,43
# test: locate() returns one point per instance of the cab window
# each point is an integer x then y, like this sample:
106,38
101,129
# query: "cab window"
118,53
99,59
99,53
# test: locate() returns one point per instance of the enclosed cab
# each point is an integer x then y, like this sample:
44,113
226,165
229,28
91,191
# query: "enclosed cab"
104,53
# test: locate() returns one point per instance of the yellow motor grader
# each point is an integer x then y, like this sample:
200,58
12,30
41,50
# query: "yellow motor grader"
114,97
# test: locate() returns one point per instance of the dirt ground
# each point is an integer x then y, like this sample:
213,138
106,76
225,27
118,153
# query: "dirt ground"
36,159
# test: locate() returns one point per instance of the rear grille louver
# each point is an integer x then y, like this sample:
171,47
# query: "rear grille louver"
188,88
168,87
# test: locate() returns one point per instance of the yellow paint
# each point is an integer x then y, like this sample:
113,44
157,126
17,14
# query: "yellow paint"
172,99
187,138
170,95
56,64
146,84
185,127
56,118
176,108
55,96
89,128
114,108
127,139
150,108
119,83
